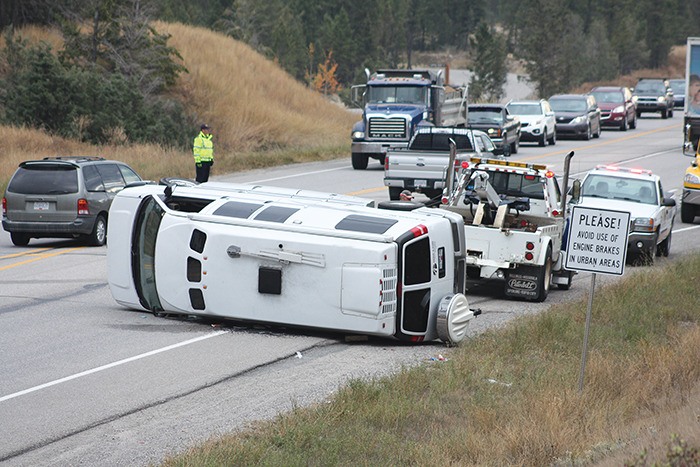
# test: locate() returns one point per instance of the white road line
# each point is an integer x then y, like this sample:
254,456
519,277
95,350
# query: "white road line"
628,160
110,365
298,175
686,229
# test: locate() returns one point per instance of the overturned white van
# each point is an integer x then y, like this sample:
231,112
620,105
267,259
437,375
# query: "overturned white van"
274,255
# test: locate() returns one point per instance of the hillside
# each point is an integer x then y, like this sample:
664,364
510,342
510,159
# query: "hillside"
260,115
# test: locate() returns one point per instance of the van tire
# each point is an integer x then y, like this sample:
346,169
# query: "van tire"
98,237
19,239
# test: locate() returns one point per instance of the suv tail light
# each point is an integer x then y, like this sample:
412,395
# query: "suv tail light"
4,206
83,208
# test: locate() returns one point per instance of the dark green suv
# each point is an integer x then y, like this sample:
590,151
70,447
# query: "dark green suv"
63,197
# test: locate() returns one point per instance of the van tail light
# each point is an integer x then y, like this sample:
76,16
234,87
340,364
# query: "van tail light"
83,209
4,206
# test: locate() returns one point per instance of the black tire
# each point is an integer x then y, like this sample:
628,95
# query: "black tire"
589,132
687,213
395,192
19,239
664,114
543,140
670,112
639,114
506,147
553,140
98,237
514,146
633,123
623,127
359,161
664,248
599,131
544,277
400,205
382,160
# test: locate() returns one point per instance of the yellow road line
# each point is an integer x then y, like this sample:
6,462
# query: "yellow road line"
40,257
26,253
366,191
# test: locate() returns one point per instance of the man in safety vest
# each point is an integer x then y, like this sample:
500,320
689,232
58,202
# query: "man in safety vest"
203,150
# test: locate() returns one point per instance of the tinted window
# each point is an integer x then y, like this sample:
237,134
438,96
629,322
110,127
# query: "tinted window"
111,177
93,181
237,209
513,184
275,214
614,97
525,109
45,180
568,105
417,268
143,250
439,141
358,223
129,175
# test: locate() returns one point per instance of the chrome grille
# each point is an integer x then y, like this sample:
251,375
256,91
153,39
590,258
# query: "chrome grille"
394,127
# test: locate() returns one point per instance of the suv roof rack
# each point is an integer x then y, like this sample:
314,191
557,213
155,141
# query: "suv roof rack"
74,158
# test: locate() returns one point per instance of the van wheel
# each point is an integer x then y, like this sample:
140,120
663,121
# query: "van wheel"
19,239
359,161
98,237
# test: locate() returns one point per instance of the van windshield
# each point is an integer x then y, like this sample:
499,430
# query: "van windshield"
143,252
44,180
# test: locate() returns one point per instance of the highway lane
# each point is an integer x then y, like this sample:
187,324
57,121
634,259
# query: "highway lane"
86,381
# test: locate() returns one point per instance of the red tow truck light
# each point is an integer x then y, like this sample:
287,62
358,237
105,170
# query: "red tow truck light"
530,246
529,256
465,164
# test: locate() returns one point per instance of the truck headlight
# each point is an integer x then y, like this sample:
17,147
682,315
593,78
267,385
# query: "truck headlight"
691,178
580,119
494,132
643,224
358,135
661,98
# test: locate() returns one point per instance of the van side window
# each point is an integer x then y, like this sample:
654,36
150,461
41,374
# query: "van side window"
129,175
111,176
93,181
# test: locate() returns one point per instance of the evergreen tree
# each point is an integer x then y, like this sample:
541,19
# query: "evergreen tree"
489,71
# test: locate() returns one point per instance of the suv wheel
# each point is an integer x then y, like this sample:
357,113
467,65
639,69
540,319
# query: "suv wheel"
633,123
98,237
664,114
19,239
623,127
553,140
543,140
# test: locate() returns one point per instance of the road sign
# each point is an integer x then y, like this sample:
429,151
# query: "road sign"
597,240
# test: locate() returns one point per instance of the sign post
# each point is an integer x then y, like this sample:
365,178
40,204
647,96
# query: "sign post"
597,243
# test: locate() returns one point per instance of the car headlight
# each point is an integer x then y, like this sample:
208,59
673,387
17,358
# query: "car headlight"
580,119
661,98
619,109
643,224
358,135
691,178
494,132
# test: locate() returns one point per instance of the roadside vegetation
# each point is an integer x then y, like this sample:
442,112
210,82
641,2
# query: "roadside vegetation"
510,396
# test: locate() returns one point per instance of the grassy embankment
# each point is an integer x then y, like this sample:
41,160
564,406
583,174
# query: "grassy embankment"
510,396
260,115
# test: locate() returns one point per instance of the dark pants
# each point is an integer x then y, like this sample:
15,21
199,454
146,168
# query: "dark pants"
203,171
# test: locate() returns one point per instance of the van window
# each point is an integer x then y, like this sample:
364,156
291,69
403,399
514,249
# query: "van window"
368,224
417,269
276,214
93,181
129,175
237,209
111,176
45,179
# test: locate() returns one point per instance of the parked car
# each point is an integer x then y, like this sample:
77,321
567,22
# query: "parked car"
577,115
63,197
653,95
639,192
617,108
537,123
502,127
690,204
678,88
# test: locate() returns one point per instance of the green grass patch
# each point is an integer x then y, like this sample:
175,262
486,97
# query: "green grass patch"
507,396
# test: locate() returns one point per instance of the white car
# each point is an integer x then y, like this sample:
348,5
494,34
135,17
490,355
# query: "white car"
640,193
537,121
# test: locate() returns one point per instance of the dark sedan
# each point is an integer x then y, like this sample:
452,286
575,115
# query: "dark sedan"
577,115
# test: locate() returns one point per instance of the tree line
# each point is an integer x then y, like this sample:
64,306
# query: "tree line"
562,43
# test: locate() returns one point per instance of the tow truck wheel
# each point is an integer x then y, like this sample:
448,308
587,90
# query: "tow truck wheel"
687,213
359,161
453,318
544,278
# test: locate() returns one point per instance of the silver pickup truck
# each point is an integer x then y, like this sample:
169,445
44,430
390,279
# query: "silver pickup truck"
422,166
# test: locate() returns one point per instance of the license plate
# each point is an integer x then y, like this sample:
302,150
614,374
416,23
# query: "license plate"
41,206
421,183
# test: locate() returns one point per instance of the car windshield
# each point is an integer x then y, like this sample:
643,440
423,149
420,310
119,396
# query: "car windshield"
568,105
484,116
525,109
627,189
42,179
612,97
397,95
650,86
678,86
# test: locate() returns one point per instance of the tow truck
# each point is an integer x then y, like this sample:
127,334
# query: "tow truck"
514,223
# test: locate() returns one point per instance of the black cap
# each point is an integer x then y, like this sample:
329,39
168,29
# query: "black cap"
205,127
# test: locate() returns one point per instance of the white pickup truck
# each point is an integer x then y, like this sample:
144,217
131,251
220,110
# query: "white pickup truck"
422,166
514,223
639,192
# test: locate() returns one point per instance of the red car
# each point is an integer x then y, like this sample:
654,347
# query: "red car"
617,108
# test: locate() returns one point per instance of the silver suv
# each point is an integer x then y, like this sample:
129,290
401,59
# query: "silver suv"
64,197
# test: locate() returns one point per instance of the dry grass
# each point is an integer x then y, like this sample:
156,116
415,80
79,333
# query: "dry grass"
259,114
510,396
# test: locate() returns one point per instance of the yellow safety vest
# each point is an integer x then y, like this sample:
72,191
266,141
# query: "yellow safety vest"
203,148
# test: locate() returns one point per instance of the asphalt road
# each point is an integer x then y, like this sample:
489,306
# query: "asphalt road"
86,382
